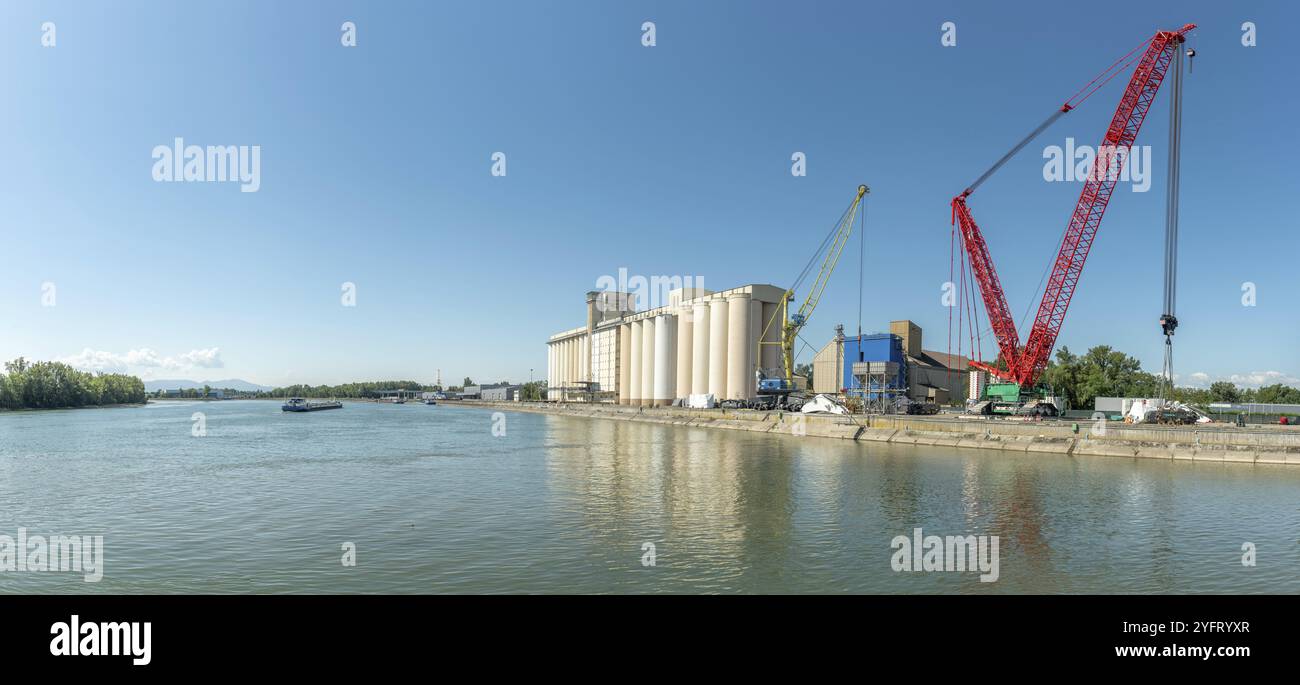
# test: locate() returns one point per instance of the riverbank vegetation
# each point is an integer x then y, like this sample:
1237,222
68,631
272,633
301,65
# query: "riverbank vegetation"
1106,372
365,390
54,385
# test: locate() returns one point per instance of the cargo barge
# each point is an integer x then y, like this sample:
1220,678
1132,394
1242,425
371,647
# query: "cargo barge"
300,404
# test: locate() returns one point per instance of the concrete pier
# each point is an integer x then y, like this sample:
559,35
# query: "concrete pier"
1214,443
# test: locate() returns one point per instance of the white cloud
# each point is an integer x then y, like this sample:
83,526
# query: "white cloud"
1254,379
1200,379
209,358
96,360
144,361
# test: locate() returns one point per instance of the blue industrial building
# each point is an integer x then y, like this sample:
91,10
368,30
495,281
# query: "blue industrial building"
917,374
877,347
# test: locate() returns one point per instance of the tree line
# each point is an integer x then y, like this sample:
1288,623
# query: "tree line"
372,389
55,385
1106,372
364,390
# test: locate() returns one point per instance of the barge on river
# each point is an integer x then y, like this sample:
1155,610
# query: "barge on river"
300,404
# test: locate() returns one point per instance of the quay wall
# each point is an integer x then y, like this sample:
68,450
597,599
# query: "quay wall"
1216,442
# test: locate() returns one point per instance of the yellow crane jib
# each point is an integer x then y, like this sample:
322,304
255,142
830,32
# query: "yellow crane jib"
832,246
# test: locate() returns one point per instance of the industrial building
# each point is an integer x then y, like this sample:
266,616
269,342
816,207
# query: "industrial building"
487,391
888,365
500,393
701,342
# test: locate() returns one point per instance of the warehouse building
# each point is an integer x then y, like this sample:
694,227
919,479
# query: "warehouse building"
701,342
893,364
501,392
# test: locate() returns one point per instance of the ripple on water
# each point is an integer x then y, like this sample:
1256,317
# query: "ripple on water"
434,502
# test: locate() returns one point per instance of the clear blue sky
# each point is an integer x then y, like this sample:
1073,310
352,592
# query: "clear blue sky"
666,160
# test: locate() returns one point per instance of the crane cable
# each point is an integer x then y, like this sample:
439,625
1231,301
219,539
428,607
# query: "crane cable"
839,223
1110,72
822,248
1168,319
862,257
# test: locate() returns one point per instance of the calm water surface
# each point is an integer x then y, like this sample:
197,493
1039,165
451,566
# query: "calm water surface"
436,503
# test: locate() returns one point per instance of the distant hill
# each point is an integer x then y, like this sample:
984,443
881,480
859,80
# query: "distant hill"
228,384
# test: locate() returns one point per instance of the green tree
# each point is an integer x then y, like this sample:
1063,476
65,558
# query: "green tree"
1101,372
534,391
805,370
1277,394
1062,375
468,381
48,385
1223,391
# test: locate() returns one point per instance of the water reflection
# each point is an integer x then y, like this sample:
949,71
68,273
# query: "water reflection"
437,503
737,511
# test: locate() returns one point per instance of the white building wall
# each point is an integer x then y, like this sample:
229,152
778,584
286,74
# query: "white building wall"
635,354
647,362
604,358
718,348
709,343
751,345
665,375
685,351
739,382
700,349
624,362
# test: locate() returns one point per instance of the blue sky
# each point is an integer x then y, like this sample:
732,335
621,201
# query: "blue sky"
672,160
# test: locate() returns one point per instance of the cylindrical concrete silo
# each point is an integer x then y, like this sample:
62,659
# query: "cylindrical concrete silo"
577,359
665,359
685,327
771,356
579,365
634,365
718,348
624,363
550,368
647,361
755,333
567,364
699,349
559,367
584,349
561,357
738,380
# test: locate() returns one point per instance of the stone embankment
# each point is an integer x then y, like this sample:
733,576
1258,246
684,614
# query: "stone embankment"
1215,442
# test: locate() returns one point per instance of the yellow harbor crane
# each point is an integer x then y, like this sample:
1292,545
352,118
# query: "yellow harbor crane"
832,246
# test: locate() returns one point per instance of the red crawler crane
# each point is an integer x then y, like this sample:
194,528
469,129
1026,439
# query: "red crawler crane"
1025,364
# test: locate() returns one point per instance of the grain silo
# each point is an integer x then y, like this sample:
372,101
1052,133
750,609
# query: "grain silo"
698,342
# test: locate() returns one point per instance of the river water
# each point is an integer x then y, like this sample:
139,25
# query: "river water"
440,499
